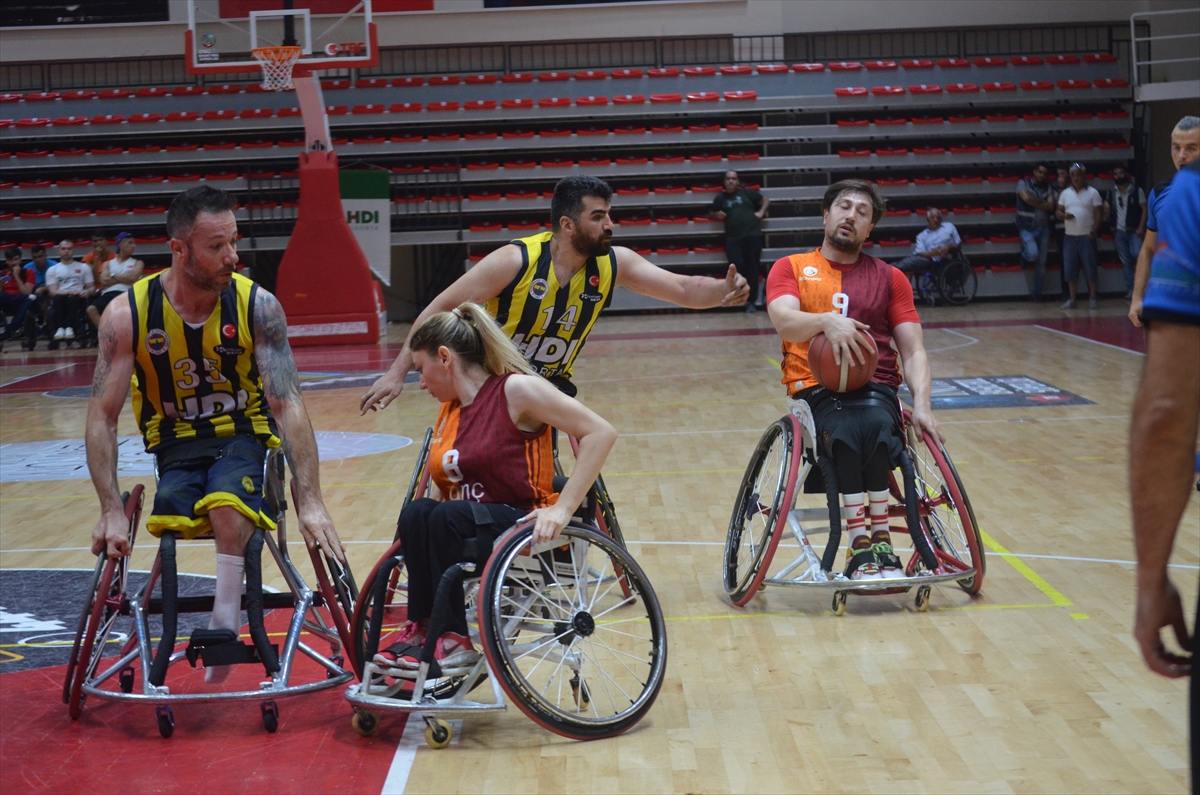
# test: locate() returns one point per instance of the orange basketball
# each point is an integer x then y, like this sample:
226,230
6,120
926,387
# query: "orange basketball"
847,377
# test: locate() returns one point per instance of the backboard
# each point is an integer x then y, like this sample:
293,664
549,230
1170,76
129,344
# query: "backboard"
332,34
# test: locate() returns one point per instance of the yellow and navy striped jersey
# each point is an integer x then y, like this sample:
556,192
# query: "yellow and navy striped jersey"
197,383
550,322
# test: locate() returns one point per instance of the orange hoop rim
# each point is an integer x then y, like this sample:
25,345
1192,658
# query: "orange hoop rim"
277,54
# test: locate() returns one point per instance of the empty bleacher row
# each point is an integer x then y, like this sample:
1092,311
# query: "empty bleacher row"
474,156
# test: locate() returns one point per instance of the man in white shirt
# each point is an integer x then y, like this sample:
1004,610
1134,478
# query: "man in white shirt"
69,283
1079,208
934,245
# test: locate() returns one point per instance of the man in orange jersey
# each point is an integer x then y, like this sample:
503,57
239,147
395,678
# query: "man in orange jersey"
844,294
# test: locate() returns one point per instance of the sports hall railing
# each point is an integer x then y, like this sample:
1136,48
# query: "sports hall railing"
1166,54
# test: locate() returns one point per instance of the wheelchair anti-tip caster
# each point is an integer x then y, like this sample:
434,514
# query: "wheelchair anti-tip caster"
126,679
365,722
166,721
270,716
438,732
923,598
839,603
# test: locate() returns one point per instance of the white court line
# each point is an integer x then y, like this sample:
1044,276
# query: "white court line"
406,752
1086,339
35,375
970,341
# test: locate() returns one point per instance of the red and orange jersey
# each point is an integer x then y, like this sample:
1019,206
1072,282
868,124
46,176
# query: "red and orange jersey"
869,291
477,453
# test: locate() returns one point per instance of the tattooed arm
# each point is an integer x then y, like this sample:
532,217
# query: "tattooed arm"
110,385
281,385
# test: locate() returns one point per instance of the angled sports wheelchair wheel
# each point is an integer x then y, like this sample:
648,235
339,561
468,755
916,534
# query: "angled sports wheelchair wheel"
957,283
604,517
764,498
945,511
418,484
339,594
570,650
106,603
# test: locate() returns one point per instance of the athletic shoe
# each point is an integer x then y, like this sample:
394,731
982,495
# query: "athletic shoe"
1093,303
1068,304
889,565
410,638
59,335
867,567
452,651
69,333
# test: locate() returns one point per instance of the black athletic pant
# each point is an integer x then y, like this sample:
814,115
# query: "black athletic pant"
746,254
65,311
432,535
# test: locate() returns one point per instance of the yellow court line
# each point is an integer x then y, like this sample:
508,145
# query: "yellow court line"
12,657
774,362
1026,572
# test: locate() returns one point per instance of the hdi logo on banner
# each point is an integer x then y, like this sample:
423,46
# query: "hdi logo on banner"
362,217
366,196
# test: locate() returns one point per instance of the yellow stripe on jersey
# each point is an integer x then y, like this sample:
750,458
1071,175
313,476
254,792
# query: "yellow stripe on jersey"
550,322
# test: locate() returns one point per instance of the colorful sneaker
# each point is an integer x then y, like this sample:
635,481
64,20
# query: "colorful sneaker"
455,651
404,652
890,566
861,564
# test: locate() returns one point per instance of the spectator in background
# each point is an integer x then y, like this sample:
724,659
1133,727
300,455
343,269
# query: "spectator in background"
69,284
1125,206
1162,437
935,244
1080,209
1035,205
117,275
40,264
16,292
98,255
1185,149
742,211
1062,183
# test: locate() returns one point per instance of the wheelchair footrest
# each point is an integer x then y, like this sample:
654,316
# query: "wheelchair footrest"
221,647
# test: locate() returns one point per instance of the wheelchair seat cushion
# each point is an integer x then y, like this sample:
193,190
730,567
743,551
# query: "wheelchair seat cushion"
862,420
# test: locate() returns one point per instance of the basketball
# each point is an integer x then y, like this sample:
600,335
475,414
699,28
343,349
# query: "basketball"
848,376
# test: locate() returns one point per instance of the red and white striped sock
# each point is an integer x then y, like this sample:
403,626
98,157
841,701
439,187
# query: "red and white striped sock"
854,508
878,514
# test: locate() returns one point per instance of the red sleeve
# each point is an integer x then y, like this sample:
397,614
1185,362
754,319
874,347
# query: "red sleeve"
30,277
902,309
782,281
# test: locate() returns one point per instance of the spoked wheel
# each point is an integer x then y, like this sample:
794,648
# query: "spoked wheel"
946,514
418,484
106,604
571,650
764,498
957,283
339,593
605,518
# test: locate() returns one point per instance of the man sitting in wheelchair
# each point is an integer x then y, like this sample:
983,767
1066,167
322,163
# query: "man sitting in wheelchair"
492,465
839,291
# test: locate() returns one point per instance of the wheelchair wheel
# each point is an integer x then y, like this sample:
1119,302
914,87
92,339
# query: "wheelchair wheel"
764,498
605,518
946,514
106,603
572,652
957,283
418,485
339,594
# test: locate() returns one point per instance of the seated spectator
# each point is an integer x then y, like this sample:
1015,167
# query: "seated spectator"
38,265
1035,205
98,255
1125,205
69,283
934,245
117,275
1079,208
16,292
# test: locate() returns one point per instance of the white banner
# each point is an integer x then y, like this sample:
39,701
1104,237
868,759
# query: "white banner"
370,221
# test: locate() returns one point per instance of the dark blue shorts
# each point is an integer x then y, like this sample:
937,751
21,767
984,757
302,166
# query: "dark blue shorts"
188,489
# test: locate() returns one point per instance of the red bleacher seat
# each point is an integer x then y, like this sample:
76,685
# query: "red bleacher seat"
591,74
850,91
670,250
518,133
966,149
929,181
696,128
1026,60
479,80
182,115
739,96
35,213
69,121
891,183
635,220
964,119
554,162
486,227
371,82
929,150
734,126
112,211
216,146
445,80
704,157
925,88
152,210
36,121
555,132
1076,146
947,63
591,101
524,225
1100,57
156,91
369,139
11,97
667,159
144,118
894,242
887,91
629,99
593,162
1074,84
739,69
891,151
338,110
111,180
115,93
408,168
633,190
33,153
889,121
854,153
76,213
479,104
1119,113
1039,147
1036,85
553,77
845,66
34,183
84,94
520,162
108,118
212,115
516,103
897,213
553,102
222,176
186,91
962,88
407,82
592,130
661,98
1076,116
669,71
1002,86
671,218
670,128
490,165
625,74
1000,148
442,106
877,66
145,149
1110,82
629,129
990,61
975,240
853,123
444,167
699,189
482,135
285,113
1000,117
1005,238
446,136
359,110
225,88
695,96
1062,60
186,147
771,68
519,77
808,67
266,113
919,63
482,197
1002,208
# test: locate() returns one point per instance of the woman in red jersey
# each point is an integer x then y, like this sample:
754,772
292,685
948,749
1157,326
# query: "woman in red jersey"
491,463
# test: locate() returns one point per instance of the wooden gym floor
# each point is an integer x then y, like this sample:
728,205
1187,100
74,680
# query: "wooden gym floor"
1033,686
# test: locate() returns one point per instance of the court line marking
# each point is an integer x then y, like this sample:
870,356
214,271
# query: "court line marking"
35,375
971,341
1026,572
1088,339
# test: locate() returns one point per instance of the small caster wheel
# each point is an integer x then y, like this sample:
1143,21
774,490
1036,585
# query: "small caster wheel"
437,732
270,716
365,722
579,689
923,598
339,661
839,603
126,680
166,721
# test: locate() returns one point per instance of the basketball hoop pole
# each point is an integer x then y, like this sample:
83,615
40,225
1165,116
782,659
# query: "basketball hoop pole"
312,111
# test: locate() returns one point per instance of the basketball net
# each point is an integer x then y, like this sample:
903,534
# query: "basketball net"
277,63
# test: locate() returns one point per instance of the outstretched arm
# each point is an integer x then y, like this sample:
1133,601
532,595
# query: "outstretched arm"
691,292
281,385
110,385
481,284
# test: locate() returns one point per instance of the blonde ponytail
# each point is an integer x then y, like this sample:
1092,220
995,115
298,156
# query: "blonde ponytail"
470,332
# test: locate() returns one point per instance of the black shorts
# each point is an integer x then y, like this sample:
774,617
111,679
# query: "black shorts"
102,300
862,420
196,476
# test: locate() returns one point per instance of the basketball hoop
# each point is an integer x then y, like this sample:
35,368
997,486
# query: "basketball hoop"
277,63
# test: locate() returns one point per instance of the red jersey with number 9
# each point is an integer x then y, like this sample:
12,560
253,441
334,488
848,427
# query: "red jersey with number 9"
869,291
478,453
